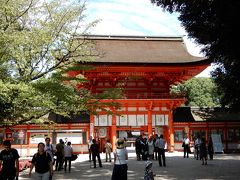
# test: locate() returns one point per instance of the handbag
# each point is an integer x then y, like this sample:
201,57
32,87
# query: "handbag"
183,144
74,157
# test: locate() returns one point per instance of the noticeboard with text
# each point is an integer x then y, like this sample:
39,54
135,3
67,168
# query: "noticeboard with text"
217,143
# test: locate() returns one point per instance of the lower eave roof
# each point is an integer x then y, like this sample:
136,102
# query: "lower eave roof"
80,118
188,114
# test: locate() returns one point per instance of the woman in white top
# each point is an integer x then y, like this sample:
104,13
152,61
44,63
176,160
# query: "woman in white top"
68,151
150,148
120,162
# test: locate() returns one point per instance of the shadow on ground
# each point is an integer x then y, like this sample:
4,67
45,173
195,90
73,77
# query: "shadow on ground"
223,167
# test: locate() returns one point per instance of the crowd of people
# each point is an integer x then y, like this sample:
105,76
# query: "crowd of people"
152,148
147,149
43,160
201,148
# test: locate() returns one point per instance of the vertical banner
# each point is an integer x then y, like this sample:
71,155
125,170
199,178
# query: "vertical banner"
91,129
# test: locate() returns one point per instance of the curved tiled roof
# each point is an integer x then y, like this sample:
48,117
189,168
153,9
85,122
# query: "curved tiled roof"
142,49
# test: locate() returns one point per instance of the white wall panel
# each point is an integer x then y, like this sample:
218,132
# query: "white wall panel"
132,120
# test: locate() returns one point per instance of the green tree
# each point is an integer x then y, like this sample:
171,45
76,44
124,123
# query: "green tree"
215,25
201,92
37,49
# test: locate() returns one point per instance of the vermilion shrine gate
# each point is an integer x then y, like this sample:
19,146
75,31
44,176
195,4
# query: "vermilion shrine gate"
145,68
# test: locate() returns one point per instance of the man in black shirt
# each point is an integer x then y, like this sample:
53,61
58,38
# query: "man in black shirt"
95,153
9,162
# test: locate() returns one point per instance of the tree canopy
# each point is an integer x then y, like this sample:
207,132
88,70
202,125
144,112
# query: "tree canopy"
201,92
37,49
215,25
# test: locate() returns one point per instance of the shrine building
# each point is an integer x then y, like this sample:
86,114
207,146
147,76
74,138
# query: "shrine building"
144,67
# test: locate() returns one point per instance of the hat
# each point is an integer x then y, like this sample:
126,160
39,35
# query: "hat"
148,164
120,143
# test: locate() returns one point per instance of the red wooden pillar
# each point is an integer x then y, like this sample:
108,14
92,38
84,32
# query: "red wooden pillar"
114,130
150,132
171,131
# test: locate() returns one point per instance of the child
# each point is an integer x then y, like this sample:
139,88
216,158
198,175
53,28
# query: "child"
148,173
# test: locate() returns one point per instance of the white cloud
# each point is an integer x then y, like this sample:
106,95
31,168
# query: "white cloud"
140,16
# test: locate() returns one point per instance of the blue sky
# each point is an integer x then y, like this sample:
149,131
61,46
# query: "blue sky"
137,17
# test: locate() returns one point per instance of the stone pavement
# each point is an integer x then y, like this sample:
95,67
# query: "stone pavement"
223,167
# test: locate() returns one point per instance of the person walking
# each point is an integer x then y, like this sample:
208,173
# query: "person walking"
186,147
95,153
108,151
49,148
42,162
9,162
160,143
203,151
120,161
197,146
210,148
60,155
89,145
68,151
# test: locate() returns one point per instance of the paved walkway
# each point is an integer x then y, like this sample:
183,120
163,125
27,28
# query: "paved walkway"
223,167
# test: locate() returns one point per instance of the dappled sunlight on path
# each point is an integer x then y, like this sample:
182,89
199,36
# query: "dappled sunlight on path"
223,167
